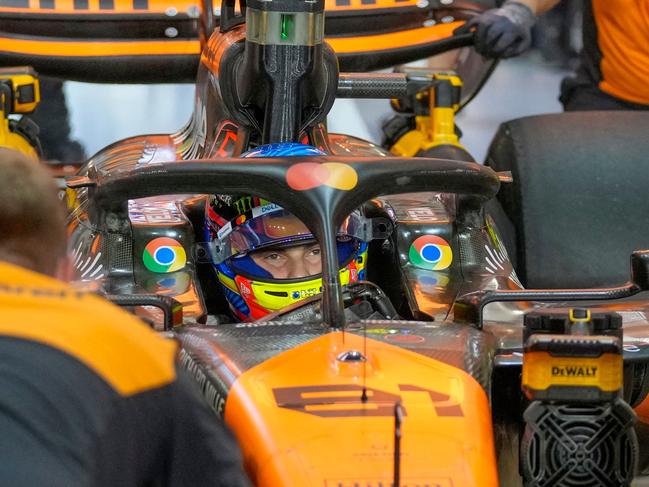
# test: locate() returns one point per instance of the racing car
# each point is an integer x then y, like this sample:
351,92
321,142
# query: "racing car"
410,374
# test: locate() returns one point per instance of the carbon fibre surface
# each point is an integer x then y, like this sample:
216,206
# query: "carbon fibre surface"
229,350
244,345
118,251
460,346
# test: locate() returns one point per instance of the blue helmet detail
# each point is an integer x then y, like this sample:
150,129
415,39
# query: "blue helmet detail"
236,301
286,149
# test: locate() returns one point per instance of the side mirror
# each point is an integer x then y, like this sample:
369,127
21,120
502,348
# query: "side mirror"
640,269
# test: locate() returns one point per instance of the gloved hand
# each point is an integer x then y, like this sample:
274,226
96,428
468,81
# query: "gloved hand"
502,32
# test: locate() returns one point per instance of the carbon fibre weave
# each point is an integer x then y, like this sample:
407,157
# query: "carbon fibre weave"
118,251
458,345
375,85
247,345
473,249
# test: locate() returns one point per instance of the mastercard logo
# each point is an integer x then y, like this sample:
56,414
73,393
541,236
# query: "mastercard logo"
164,255
431,252
309,175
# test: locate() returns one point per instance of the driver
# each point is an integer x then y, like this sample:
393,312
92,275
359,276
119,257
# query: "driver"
265,258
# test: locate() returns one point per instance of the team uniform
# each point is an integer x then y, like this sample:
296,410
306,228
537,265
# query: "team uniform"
614,70
92,397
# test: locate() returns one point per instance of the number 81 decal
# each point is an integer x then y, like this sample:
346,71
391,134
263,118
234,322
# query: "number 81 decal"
344,400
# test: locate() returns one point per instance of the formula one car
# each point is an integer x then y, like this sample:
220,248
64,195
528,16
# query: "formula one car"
410,374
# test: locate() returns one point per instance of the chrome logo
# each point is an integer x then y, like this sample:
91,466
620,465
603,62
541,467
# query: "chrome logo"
431,252
164,255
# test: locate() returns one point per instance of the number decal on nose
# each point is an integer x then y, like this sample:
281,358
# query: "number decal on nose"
344,400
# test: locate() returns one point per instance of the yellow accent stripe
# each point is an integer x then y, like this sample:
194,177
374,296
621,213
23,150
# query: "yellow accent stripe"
579,320
117,346
228,282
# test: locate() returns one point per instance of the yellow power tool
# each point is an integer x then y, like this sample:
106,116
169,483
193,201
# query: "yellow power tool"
19,94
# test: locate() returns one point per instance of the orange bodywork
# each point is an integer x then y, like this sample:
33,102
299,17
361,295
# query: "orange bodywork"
643,411
98,48
392,40
80,48
136,7
94,7
300,420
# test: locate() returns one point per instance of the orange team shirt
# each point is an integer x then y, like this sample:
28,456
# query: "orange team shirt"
623,39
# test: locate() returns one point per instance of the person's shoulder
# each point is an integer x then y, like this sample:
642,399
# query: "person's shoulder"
116,345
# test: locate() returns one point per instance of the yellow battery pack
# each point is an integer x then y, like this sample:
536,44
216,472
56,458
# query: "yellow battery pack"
25,89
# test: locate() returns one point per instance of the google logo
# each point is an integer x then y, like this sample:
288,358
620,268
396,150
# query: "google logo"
431,252
164,255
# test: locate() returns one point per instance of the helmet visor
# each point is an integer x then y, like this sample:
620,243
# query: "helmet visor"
272,239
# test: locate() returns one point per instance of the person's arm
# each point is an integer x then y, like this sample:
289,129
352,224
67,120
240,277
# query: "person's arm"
202,449
506,31
539,6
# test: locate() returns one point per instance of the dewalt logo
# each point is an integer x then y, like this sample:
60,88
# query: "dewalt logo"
541,371
574,371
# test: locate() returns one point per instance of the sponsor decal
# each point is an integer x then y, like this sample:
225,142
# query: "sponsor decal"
37,292
344,400
309,175
404,339
387,482
574,371
157,212
421,214
226,142
244,287
431,252
383,3
164,255
305,293
215,398
247,215
353,274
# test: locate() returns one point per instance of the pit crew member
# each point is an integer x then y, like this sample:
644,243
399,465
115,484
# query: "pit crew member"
614,69
90,395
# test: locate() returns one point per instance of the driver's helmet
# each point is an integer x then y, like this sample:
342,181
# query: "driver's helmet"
244,230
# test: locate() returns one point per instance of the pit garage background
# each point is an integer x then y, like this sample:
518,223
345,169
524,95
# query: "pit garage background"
527,85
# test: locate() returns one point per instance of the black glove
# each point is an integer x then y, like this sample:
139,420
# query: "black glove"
502,32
